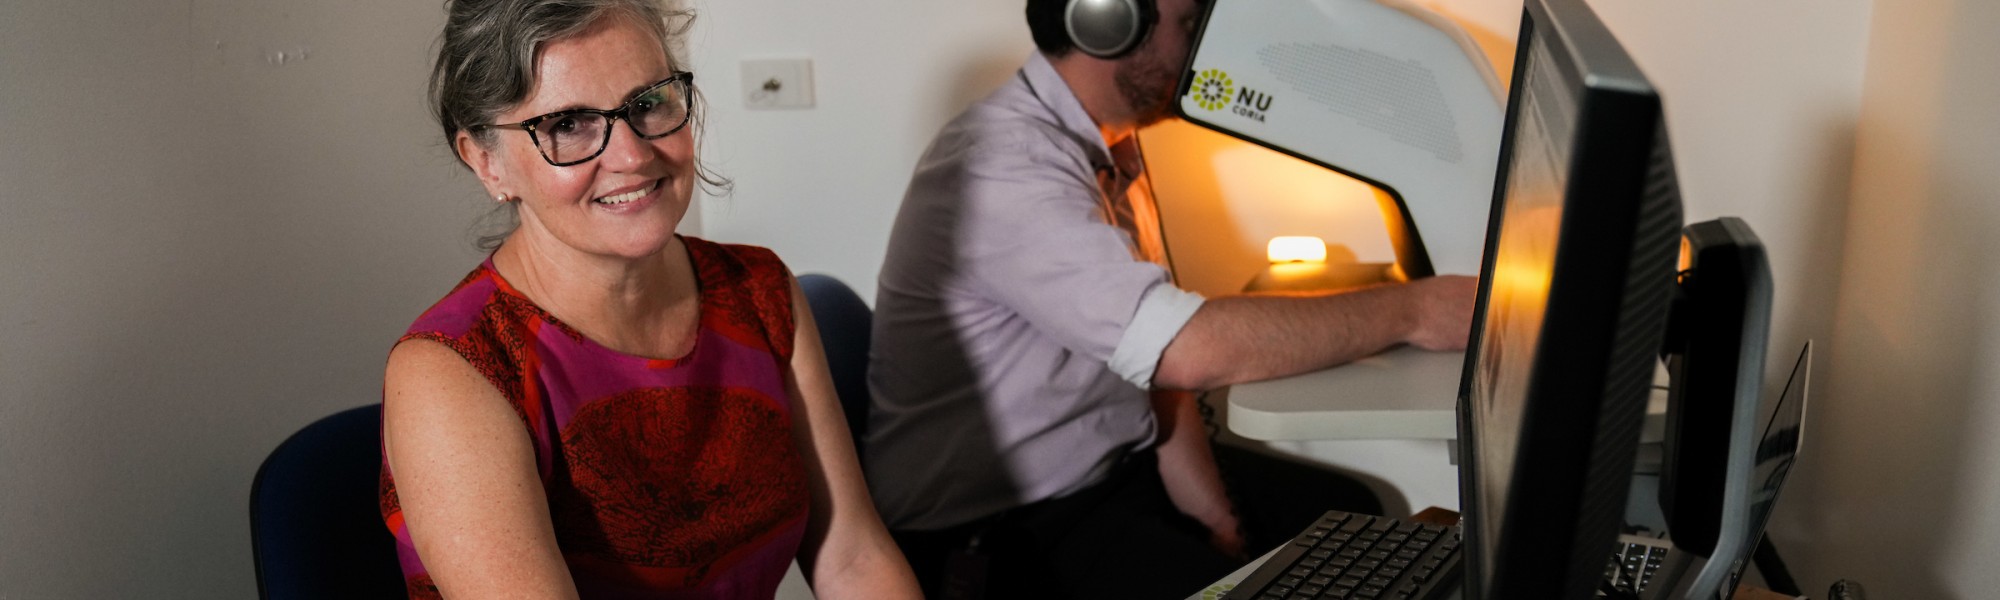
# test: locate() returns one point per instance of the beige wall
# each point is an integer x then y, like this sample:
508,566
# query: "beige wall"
1901,490
201,250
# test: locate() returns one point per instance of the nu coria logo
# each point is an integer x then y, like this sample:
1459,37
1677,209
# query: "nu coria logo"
1214,90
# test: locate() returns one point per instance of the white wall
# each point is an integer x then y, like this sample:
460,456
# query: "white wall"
1761,100
821,186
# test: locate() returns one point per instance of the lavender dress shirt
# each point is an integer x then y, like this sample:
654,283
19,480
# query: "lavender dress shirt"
1022,311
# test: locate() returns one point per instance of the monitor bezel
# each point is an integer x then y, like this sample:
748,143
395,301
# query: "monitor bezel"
1565,496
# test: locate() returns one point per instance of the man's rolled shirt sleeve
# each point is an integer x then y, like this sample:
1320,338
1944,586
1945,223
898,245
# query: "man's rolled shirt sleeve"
1163,311
1042,247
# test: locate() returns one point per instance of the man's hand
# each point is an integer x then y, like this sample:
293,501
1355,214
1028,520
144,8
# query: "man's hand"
1188,471
1444,307
1229,541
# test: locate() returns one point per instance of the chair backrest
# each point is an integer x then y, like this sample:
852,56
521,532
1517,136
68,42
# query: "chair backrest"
844,322
315,521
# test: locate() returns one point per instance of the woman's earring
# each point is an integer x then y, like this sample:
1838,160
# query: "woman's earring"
500,198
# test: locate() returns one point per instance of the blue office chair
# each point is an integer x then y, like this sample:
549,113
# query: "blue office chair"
844,322
315,527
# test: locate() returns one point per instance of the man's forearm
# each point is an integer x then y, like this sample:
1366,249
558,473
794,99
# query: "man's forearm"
1234,339
1248,338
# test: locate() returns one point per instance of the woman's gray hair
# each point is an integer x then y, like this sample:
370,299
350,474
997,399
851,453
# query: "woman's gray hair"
486,63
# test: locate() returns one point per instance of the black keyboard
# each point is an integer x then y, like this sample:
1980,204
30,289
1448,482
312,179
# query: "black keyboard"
1347,556
1632,566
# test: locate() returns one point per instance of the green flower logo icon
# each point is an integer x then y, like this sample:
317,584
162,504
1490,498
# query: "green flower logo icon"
1212,89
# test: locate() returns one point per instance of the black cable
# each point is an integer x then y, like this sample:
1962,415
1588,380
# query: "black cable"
1776,577
1229,487
1207,413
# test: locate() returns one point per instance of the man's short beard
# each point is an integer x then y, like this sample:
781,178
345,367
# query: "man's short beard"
1148,88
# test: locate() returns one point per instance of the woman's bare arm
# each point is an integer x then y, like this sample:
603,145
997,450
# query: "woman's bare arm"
847,552
466,479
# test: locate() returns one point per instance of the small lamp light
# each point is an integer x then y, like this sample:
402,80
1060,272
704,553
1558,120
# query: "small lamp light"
1296,249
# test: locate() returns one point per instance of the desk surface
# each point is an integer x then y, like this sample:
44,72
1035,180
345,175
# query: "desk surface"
1405,393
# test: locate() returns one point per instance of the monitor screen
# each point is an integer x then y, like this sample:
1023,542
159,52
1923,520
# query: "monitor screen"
1522,266
1576,285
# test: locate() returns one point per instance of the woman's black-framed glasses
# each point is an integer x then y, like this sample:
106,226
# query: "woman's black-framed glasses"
577,135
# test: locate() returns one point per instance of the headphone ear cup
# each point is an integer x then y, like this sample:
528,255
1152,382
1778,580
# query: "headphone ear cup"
1108,28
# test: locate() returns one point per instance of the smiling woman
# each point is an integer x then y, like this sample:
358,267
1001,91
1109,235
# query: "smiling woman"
604,408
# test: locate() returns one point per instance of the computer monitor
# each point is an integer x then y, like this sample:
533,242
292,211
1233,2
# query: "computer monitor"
1715,362
1577,281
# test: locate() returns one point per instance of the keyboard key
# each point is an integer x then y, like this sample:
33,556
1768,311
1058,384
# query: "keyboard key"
1355,524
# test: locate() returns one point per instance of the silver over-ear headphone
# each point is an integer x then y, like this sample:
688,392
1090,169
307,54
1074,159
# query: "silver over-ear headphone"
1108,28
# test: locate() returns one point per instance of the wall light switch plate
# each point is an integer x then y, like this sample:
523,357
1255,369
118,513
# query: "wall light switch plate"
777,83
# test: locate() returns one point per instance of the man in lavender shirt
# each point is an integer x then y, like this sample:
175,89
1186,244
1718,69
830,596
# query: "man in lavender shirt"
1031,425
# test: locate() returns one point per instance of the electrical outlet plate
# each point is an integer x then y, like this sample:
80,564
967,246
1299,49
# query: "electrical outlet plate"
777,83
